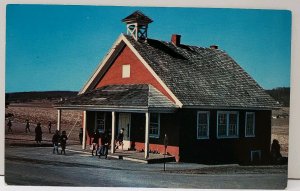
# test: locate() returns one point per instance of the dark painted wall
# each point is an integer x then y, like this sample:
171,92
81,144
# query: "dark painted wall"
169,125
226,150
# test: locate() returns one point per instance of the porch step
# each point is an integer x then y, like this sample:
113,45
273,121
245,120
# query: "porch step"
135,157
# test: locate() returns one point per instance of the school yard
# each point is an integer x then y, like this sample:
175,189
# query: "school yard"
25,162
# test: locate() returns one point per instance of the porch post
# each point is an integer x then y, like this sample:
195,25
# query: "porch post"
113,126
58,119
84,130
147,135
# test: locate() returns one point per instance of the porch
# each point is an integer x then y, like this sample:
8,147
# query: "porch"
129,107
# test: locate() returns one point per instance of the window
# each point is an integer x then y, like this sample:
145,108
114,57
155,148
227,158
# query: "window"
100,121
255,156
126,71
227,124
250,124
154,125
202,125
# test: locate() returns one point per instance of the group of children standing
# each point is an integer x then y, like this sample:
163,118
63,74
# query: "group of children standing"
59,139
102,150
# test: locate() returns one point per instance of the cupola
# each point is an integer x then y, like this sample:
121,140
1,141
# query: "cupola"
137,25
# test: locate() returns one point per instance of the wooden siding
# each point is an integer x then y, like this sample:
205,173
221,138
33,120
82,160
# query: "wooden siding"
139,74
224,150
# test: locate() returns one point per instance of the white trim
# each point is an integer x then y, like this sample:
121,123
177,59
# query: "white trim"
101,65
84,130
253,135
113,129
147,124
152,71
112,50
58,119
158,128
208,117
227,124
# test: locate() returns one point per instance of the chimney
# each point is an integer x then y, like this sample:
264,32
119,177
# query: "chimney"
175,39
214,46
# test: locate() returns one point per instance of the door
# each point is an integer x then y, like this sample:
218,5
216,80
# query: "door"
124,122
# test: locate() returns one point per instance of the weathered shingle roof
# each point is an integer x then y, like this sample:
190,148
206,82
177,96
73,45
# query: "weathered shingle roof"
137,16
202,77
112,96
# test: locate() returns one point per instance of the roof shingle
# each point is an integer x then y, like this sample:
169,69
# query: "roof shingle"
202,77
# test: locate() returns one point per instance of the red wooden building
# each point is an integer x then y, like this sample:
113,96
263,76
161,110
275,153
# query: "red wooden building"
208,106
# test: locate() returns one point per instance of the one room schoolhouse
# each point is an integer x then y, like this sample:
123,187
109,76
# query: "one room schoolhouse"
211,110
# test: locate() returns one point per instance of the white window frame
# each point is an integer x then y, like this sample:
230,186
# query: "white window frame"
248,113
207,133
158,127
126,71
96,124
227,124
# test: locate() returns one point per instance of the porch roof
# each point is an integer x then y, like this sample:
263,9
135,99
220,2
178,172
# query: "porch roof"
134,97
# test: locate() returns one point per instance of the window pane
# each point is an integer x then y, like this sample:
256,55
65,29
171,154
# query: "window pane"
250,124
154,125
222,130
202,125
222,123
227,124
232,131
222,119
100,121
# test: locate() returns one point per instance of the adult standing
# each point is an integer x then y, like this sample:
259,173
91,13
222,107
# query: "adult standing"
49,126
38,133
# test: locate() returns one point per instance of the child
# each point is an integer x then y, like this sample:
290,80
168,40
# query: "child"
63,142
49,126
95,142
104,145
27,126
55,141
9,124
119,141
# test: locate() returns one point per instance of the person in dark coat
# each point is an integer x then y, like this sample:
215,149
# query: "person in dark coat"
55,141
276,156
27,129
38,133
9,124
80,135
119,141
104,145
49,126
95,143
63,142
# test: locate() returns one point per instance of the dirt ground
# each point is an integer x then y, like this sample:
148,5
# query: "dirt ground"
35,114
280,128
71,121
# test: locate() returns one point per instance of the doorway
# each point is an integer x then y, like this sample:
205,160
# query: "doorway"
125,122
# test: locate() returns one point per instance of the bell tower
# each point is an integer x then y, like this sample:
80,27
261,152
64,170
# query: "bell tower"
137,25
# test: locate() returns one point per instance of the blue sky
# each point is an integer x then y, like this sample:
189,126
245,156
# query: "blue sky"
58,47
